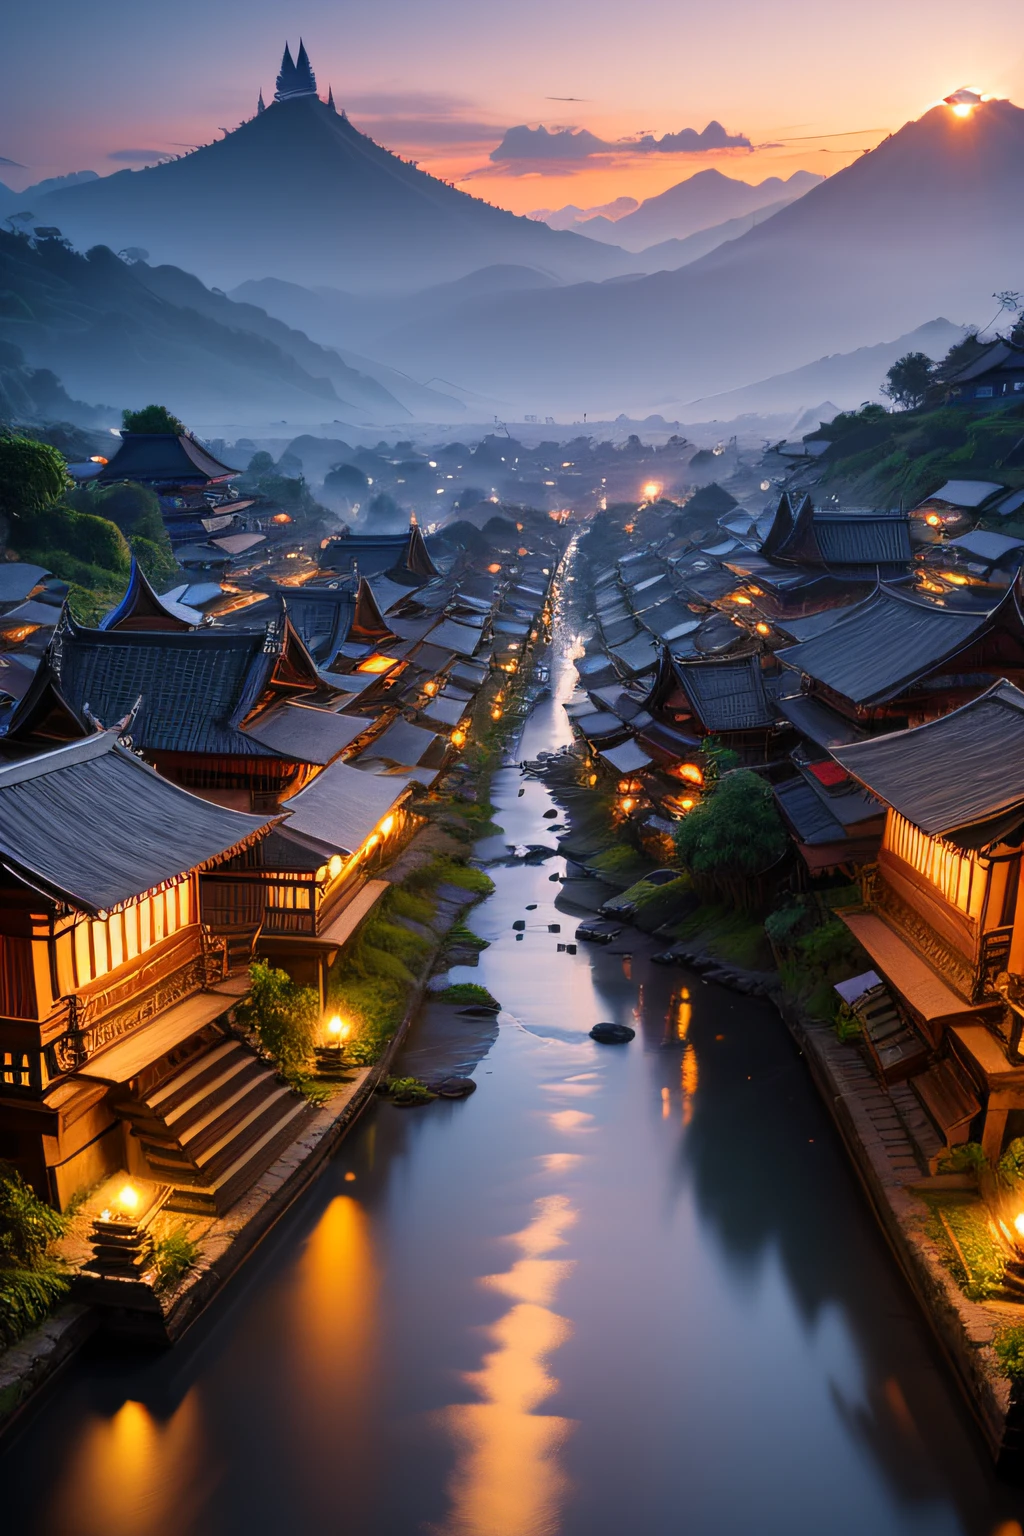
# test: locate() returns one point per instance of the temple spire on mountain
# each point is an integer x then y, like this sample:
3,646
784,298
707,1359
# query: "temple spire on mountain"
296,77
330,98
261,105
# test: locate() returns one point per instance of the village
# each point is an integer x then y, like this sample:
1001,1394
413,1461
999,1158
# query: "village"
243,818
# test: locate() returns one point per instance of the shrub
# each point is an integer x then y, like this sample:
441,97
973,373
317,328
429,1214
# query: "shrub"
152,418
403,903
284,1016
829,946
1009,1347
31,1282
1011,1164
968,1158
79,541
173,1256
734,830
407,1090
32,475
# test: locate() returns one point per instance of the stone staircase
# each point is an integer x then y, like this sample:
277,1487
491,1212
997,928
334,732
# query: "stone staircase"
214,1125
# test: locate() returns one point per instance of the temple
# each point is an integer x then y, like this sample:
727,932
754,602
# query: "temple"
296,78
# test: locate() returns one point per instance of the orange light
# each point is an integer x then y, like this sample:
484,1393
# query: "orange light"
496,712
386,825
963,109
128,1198
522,551
494,569
687,804
738,597
763,629
371,842
280,517
954,579
692,772
376,664
458,738
627,805
430,688
652,490
629,528
98,459
933,520
1018,1222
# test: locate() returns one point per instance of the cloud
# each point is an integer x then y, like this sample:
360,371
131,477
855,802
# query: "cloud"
571,144
138,156
420,119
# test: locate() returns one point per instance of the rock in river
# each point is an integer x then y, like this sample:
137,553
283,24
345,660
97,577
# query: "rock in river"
612,1034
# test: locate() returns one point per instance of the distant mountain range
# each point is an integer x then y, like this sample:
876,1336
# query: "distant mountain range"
129,334
848,378
298,193
697,203
929,222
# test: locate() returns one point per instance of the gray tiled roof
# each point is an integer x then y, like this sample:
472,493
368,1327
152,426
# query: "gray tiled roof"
727,695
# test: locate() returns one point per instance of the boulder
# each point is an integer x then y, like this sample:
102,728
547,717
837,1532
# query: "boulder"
612,1034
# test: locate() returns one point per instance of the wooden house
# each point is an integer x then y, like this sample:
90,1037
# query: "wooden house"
112,986
941,915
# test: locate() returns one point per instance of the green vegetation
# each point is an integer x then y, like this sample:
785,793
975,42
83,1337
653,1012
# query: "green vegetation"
442,870
173,1256
462,937
1009,1347
32,475
906,383
815,950
406,1090
283,1016
730,935
135,510
32,1282
403,903
961,1229
467,993
967,1158
734,830
153,418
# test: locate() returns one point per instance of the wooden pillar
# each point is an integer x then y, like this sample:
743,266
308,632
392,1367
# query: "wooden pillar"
993,1132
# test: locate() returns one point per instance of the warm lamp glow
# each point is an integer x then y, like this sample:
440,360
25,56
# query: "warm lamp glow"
739,597
627,805
494,569
1018,1222
692,772
933,520
334,865
376,664
687,804
280,517
128,1198
652,490
386,825
371,842
496,712
954,579
763,629
458,738
430,688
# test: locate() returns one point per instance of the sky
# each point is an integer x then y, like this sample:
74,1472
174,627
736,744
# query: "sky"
85,85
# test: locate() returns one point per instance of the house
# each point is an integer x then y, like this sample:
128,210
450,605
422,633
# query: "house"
900,658
997,375
941,916
113,1053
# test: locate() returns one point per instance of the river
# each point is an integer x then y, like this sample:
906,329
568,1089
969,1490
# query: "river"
618,1290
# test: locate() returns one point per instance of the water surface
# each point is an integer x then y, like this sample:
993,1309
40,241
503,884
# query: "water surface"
618,1290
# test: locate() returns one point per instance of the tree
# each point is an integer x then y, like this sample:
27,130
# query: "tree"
32,475
906,382
153,418
735,830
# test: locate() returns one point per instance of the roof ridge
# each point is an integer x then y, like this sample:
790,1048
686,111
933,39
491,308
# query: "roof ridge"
41,763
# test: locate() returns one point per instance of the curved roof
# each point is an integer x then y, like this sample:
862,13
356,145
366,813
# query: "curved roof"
161,458
94,825
890,640
961,770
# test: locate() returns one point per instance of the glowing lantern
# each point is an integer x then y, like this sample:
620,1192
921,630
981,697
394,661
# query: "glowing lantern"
494,569
692,772
430,688
687,804
458,738
652,490
627,805
128,1198
376,664
933,520
386,825
338,1029
334,865
280,517
496,712
763,629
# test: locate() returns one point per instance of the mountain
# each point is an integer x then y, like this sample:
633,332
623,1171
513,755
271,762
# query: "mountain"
132,334
25,202
850,378
298,193
694,204
929,222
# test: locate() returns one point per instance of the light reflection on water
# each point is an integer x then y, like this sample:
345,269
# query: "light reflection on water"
507,1476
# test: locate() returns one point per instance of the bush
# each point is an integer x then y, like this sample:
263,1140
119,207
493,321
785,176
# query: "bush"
734,830
967,1158
406,1090
1009,1347
173,1256
31,1282
32,475
152,418
283,1016
418,909
829,946
71,543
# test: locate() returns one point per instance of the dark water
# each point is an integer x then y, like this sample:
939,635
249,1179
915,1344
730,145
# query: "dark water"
616,1291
